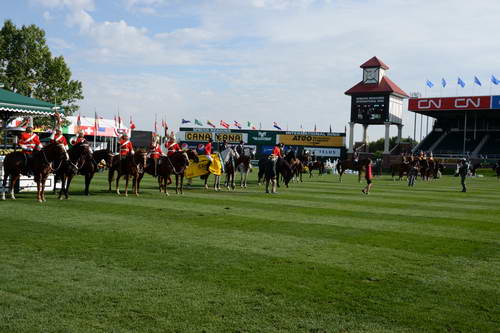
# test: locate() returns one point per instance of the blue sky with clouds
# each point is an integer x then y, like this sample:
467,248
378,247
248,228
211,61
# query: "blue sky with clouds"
288,61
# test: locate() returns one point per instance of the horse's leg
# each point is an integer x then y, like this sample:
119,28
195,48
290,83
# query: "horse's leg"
88,179
4,184
126,184
63,185
176,184
38,188
267,180
232,180
110,177
182,183
56,177
13,180
44,179
117,186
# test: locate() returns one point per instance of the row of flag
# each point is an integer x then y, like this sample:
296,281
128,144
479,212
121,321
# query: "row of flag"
224,124
461,82
238,125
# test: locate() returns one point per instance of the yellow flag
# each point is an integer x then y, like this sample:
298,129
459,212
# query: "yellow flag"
200,168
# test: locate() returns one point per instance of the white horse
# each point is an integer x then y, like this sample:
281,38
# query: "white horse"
245,166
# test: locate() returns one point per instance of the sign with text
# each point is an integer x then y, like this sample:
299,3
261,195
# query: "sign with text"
451,103
217,137
324,152
311,140
262,137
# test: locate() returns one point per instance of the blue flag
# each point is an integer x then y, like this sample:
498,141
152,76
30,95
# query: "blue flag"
275,125
429,84
184,121
476,81
461,83
494,80
443,82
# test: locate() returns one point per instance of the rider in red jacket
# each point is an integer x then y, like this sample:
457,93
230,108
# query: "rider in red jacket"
277,150
57,137
29,141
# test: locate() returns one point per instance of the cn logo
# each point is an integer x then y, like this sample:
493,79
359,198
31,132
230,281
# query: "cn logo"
429,104
467,102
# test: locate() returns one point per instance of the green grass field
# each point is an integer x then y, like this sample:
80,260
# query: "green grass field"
317,257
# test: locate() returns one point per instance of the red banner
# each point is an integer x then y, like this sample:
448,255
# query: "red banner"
450,103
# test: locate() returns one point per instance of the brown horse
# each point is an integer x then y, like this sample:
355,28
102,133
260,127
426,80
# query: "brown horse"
359,166
175,164
401,168
80,162
41,164
132,165
316,165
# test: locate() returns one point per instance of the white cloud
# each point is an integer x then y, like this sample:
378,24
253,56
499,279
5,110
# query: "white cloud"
280,60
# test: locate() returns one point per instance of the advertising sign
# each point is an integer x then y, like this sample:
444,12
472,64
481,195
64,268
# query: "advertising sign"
495,102
324,152
311,140
218,137
262,137
450,103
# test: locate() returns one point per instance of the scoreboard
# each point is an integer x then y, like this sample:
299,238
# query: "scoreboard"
376,109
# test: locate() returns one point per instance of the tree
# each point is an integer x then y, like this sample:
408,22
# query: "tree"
28,68
379,144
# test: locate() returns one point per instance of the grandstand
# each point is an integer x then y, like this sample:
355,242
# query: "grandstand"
464,126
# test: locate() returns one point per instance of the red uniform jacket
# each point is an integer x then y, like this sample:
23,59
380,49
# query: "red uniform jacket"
277,151
77,140
369,174
208,148
29,142
59,139
125,147
155,151
172,147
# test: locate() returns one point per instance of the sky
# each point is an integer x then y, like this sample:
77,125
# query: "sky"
288,61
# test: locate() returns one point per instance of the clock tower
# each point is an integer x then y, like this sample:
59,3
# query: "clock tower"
376,100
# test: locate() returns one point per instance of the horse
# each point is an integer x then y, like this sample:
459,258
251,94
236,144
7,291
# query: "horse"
496,168
80,162
103,157
283,168
132,165
296,164
229,158
401,168
244,166
316,165
358,166
424,167
175,164
41,164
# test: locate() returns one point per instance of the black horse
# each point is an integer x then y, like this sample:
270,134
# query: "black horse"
80,162
283,168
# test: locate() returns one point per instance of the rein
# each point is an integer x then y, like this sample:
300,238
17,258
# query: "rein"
50,164
173,167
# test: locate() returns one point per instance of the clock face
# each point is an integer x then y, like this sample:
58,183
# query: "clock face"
370,75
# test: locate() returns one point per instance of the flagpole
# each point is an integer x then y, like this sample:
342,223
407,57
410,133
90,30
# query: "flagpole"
95,125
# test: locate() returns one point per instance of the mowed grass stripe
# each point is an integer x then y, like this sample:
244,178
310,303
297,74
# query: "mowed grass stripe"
269,270
151,228
301,282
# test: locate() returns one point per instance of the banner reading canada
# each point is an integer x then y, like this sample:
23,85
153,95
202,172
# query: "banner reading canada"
311,140
219,137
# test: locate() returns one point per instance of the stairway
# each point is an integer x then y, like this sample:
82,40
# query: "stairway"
438,141
480,145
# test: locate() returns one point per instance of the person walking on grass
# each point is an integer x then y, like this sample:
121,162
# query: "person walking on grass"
368,176
463,170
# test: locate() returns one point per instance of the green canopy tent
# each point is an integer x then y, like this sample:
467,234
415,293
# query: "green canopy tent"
13,105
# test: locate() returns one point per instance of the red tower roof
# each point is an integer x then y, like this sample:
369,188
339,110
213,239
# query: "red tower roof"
374,62
385,86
